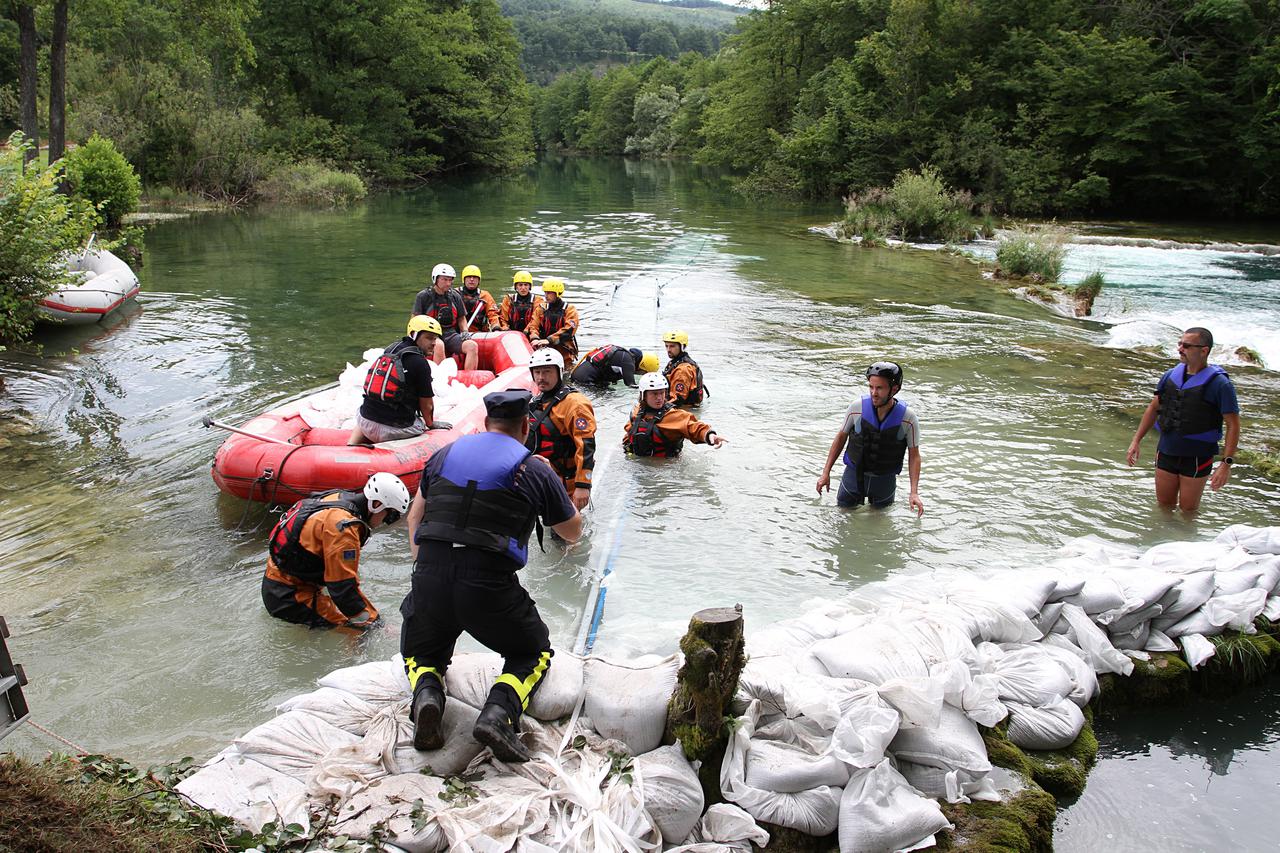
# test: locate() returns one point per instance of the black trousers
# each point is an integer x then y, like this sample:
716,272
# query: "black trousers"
467,589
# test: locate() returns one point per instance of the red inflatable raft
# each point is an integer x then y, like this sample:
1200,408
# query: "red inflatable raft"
285,458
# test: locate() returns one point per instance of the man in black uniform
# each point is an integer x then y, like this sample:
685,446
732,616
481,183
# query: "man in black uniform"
398,401
478,501
607,364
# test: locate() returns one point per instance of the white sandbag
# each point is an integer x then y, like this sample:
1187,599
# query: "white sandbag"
672,793
978,696
385,810
786,769
863,735
954,744
376,681
1027,673
248,792
954,786
1191,591
471,676
901,646
1093,551
1132,641
1238,580
1235,612
293,743
1053,726
1099,595
1271,609
1183,557
725,828
1144,588
1196,649
460,747
988,616
1091,639
880,813
1048,617
792,636
1026,591
336,707
803,732
1159,641
814,812
765,678
629,703
1120,622
1084,681
1258,540
1066,585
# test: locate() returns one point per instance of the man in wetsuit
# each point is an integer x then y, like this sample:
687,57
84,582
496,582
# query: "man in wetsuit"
878,431
313,562
562,426
684,376
517,309
1193,400
607,364
478,501
398,400
480,319
555,322
444,303
658,428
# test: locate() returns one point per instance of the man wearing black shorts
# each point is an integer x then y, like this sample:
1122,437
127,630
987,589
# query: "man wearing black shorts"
444,303
478,501
1192,403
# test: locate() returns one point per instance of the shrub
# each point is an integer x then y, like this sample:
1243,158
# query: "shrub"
868,215
1036,253
1089,287
927,210
312,183
99,173
39,227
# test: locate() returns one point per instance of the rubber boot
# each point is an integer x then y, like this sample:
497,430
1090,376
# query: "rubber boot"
427,713
495,730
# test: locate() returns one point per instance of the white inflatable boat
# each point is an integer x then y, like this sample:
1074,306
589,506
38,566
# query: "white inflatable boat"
106,283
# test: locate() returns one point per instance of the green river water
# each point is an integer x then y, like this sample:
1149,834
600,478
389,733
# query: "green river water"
132,587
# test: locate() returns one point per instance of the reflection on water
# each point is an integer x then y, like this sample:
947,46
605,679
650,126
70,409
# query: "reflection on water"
132,586
1181,779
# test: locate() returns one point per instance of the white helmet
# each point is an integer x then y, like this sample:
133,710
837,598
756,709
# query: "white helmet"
386,491
547,357
442,269
652,382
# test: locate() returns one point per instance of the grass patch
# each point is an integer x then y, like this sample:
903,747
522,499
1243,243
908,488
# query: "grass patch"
311,183
1087,291
918,206
1034,254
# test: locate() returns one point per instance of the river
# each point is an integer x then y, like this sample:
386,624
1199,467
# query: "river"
132,586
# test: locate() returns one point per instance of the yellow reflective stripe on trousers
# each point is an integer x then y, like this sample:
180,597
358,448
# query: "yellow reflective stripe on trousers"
524,688
415,672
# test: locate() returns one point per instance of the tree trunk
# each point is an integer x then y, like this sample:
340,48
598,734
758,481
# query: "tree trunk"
58,82
26,16
713,659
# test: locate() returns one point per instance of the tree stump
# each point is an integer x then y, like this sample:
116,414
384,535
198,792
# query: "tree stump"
696,713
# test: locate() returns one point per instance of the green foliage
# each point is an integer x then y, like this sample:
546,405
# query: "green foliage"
1033,254
1089,287
312,183
653,115
99,173
39,229
918,206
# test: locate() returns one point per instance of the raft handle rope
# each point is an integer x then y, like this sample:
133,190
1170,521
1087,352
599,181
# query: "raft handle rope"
210,422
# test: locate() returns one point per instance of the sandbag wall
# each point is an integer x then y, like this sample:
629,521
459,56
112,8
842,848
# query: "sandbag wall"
859,716
856,718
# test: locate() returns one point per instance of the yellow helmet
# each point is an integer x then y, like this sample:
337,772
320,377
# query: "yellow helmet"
471,269
649,363
522,277
676,337
553,285
423,323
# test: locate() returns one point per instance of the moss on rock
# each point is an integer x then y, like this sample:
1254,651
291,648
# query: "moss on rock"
783,839
1020,824
1265,463
1164,678
1062,772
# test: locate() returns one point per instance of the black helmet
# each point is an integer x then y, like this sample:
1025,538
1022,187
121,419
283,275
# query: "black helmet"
886,370
636,354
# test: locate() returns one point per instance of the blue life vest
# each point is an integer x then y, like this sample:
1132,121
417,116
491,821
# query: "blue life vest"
875,446
1184,411
473,500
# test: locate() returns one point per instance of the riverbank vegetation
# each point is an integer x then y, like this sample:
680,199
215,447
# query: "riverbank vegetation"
1034,109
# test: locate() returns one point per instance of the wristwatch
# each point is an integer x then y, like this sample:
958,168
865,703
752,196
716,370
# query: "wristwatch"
1228,460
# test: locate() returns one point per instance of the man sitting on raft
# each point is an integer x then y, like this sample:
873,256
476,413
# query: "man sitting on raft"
397,389
878,431
445,304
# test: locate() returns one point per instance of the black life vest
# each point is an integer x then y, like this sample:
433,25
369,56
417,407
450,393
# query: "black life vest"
285,548
877,447
470,299
386,379
545,438
444,309
521,310
1184,411
473,501
695,395
553,321
599,357
646,439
